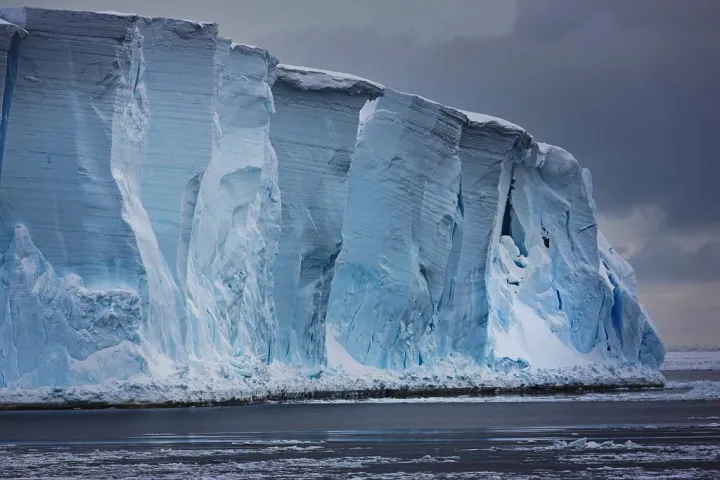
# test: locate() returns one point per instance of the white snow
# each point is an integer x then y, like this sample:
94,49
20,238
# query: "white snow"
305,78
183,218
481,119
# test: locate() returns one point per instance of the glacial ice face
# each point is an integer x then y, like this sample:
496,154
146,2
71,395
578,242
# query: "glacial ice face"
57,176
178,79
54,331
154,235
631,323
234,230
10,37
487,146
553,303
163,121
79,303
313,132
403,199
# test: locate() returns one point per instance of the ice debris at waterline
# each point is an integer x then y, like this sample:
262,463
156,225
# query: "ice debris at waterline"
183,218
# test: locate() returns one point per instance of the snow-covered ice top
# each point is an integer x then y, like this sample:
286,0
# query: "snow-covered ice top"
9,29
304,78
205,219
481,119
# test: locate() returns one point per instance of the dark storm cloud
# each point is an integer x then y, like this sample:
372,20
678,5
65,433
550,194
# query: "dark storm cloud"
666,263
630,88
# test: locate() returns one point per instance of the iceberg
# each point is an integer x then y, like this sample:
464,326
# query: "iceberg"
183,218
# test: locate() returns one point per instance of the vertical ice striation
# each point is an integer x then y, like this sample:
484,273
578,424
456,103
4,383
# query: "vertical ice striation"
140,232
59,187
402,214
488,147
629,321
10,37
150,234
235,230
179,81
314,134
554,302
56,176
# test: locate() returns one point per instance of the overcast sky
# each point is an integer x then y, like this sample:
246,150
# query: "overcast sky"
631,88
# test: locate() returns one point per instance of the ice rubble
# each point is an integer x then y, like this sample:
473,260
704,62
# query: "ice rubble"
206,223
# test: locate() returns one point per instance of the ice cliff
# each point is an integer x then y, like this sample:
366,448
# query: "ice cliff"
313,132
179,213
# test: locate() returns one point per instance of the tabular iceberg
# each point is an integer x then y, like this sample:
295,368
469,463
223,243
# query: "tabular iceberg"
205,224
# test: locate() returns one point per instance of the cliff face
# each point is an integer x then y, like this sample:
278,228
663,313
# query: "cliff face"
179,210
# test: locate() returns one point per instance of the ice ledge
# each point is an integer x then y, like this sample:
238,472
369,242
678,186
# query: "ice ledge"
304,78
105,24
270,59
186,29
482,120
10,29
69,22
277,382
471,120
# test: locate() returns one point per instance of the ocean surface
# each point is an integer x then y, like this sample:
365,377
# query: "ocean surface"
663,433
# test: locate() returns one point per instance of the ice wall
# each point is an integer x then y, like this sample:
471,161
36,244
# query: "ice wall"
140,231
179,80
64,216
57,175
56,332
235,227
463,237
629,321
313,132
10,37
488,147
150,233
401,216
553,302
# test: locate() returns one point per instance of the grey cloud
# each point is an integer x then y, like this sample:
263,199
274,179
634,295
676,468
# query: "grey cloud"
245,20
685,314
666,263
634,98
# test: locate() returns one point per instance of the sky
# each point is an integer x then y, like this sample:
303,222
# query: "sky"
631,88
